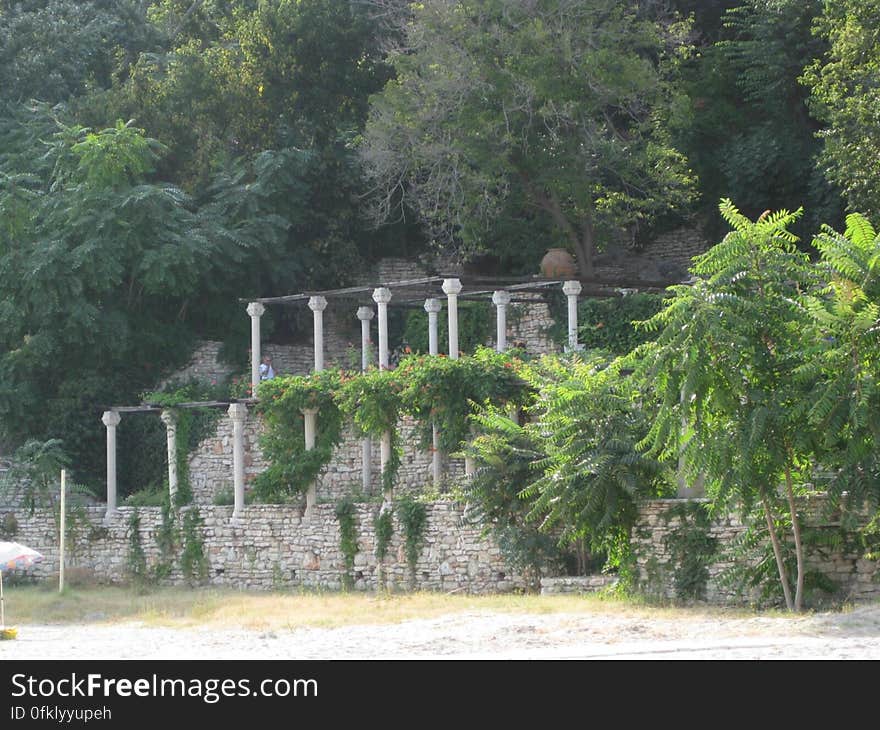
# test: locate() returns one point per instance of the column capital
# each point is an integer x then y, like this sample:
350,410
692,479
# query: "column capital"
382,295
501,298
237,412
309,411
168,417
111,419
571,288
433,306
364,314
256,309
451,286
317,304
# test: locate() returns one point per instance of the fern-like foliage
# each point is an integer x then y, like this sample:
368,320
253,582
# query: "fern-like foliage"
723,365
591,420
846,364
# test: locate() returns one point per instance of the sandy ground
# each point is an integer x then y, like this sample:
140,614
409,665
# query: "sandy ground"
853,634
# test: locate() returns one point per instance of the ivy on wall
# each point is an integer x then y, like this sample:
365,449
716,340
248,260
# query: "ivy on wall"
413,516
691,549
431,389
606,324
348,544
383,526
292,468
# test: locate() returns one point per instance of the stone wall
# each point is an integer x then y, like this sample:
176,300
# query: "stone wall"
529,324
666,258
210,465
275,547
577,584
663,523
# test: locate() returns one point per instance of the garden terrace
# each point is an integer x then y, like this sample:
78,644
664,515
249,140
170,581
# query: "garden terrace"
369,303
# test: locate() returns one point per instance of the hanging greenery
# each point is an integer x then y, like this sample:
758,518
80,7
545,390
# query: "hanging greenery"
372,399
437,390
282,402
137,559
166,541
384,527
192,426
348,545
193,560
413,517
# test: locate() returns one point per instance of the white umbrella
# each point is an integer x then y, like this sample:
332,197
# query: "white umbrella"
13,556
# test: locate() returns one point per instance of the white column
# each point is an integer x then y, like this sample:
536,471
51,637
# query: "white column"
256,310
501,299
571,289
451,288
365,315
238,413
432,307
310,424
318,305
382,296
111,420
169,418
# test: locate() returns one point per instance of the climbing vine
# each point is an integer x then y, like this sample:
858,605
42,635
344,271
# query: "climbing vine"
413,516
192,425
437,390
372,399
348,545
691,549
193,560
136,563
166,541
384,527
282,402
434,390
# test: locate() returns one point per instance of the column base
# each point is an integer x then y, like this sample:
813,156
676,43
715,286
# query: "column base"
111,515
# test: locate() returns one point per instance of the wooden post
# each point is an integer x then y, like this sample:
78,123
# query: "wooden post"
63,530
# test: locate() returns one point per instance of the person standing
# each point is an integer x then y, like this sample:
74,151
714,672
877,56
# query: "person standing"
267,372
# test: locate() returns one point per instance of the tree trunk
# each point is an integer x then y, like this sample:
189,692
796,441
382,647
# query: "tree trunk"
777,551
798,545
585,247
583,243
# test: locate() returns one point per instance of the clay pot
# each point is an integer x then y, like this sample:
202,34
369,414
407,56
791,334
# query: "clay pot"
558,263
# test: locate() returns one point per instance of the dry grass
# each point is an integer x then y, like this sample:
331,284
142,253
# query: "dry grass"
178,607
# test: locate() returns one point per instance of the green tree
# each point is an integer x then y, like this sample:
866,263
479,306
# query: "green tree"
844,95
548,116
53,50
728,362
846,367
590,421
95,265
746,128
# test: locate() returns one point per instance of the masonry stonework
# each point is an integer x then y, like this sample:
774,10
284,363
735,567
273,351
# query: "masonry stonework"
654,534
210,465
274,546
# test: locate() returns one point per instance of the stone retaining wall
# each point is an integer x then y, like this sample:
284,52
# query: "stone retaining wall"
662,524
273,546
577,584
210,465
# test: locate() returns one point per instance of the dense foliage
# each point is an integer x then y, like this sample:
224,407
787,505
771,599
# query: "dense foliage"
161,159
517,120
